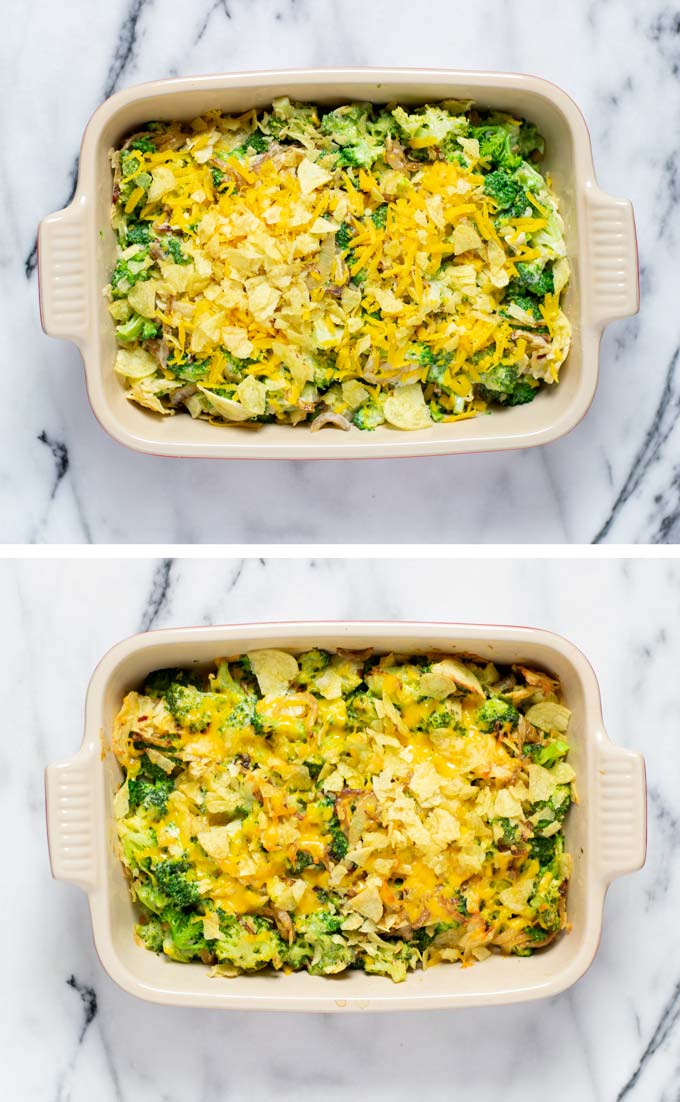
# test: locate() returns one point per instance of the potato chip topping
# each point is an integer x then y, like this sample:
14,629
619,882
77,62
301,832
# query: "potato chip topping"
351,266
329,811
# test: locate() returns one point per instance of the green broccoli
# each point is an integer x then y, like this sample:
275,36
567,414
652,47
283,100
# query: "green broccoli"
144,145
346,125
546,753
503,384
510,832
151,934
515,292
303,860
312,663
150,788
250,943
368,416
185,703
173,248
188,370
495,713
170,878
184,940
496,145
536,278
530,141
543,849
138,328
217,178
254,143
338,845
138,233
344,236
128,272
361,155
510,197
379,216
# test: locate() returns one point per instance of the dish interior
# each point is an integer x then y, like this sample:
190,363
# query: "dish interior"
520,424
508,975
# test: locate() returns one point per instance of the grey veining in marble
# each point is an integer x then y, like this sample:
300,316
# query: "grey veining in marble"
68,1033
616,477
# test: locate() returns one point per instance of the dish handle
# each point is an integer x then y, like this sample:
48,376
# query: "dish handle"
621,810
70,788
63,275
613,290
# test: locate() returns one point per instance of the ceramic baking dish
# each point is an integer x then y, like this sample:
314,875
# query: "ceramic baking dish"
77,248
606,831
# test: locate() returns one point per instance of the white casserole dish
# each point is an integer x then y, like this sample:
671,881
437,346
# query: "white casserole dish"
77,249
606,832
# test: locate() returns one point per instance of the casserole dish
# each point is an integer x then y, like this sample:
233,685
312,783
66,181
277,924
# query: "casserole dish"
605,833
77,252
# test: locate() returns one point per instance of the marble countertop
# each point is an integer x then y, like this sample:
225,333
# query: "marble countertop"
68,1033
616,477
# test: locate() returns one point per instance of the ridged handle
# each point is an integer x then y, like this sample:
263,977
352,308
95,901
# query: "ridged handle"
63,273
613,290
70,800
621,812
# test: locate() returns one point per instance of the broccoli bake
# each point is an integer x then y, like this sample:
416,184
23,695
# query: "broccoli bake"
362,265
333,811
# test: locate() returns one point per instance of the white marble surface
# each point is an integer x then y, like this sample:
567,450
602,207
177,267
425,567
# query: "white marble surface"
616,477
68,1033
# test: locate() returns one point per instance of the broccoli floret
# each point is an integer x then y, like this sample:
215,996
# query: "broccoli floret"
543,849
314,768
159,681
390,959
496,712
312,663
368,416
217,177
243,714
249,944
321,931
514,292
547,904
303,860
144,145
188,370
361,155
138,233
151,788
557,806
496,145
173,248
429,123
150,896
379,216
171,879
536,278
338,845
440,717
344,236
510,832
151,934
503,384
346,125
257,142
185,703
184,940
361,708
546,753
138,328
126,273
530,141
510,197
137,837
